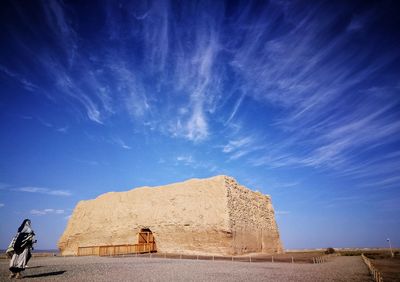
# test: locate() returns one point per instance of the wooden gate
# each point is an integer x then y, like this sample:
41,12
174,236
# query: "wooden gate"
147,237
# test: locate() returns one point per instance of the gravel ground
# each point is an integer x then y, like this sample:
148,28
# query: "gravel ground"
156,269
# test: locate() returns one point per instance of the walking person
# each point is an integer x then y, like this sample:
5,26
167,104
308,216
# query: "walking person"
20,249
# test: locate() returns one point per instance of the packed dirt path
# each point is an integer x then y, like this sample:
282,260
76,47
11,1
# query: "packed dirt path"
156,269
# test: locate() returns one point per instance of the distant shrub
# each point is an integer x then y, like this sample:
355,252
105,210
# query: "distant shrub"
349,254
330,251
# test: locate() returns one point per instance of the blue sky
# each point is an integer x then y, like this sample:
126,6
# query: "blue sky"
296,99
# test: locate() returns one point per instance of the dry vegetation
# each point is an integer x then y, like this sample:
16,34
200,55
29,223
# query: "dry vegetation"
386,264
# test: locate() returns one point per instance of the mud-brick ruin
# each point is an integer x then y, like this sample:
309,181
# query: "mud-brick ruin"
214,216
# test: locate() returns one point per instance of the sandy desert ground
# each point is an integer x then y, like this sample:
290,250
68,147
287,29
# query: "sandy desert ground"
158,269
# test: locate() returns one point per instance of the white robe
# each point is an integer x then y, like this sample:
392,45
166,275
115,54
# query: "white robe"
18,262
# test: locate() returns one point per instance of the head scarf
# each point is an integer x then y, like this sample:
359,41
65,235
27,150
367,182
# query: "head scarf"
25,227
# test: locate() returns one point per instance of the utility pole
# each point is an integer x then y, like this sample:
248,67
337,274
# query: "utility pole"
390,246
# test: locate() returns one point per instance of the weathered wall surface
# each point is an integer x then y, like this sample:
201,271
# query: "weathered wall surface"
185,217
198,216
251,220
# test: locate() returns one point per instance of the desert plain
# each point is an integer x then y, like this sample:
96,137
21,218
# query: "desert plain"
144,268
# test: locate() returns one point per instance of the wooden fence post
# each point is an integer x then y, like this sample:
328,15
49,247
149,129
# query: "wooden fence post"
374,273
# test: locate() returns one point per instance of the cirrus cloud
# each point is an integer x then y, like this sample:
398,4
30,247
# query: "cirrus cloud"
46,211
41,190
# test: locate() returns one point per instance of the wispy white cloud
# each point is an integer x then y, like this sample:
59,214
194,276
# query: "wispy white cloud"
41,190
71,72
196,127
28,85
335,202
282,212
236,144
190,161
242,145
45,123
105,85
389,204
72,87
235,108
46,211
63,129
57,21
323,96
197,76
156,35
327,121
25,117
1,205
391,181
187,160
129,84
281,184
118,141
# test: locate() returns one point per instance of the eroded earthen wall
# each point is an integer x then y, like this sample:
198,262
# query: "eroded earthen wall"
252,220
214,216
189,217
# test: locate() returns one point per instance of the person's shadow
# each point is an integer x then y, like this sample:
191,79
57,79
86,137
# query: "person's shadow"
45,274
30,267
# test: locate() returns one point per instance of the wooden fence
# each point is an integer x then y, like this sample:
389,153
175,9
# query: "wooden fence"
88,251
319,259
147,250
114,250
375,273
